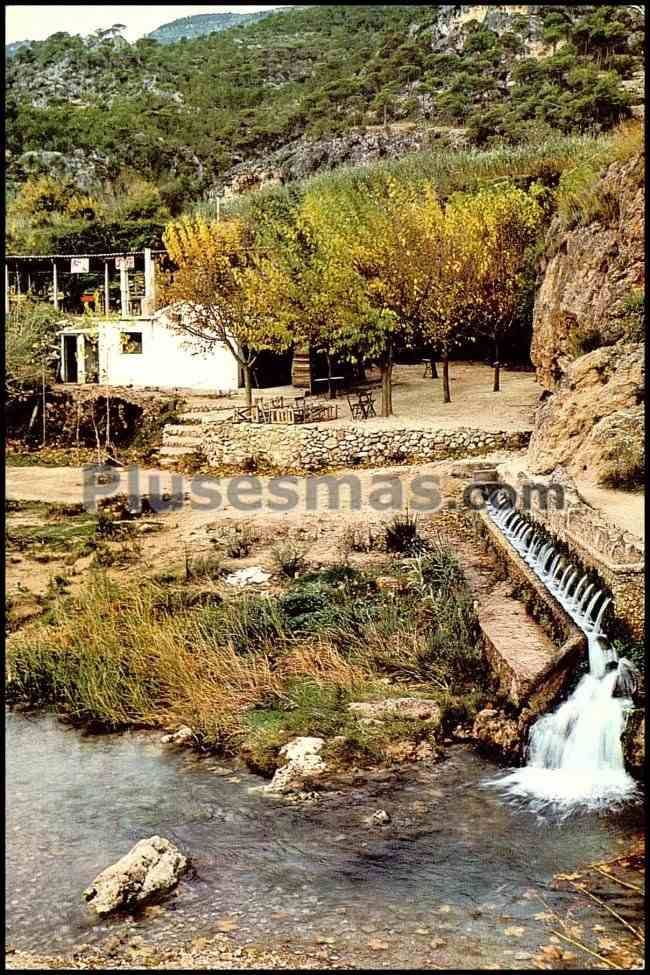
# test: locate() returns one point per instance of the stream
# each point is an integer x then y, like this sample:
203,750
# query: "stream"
457,863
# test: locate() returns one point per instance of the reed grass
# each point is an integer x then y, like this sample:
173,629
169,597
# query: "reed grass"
465,170
235,668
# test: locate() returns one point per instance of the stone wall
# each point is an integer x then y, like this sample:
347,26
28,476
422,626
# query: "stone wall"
312,447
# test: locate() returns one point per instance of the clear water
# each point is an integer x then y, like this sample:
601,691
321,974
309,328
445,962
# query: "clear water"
457,862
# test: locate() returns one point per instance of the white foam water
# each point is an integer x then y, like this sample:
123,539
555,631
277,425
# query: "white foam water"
574,754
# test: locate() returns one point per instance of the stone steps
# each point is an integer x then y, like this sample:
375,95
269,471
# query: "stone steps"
204,416
191,443
182,430
175,450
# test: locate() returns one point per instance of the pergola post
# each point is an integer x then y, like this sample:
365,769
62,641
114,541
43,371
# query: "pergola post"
124,291
55,286
149,303
107,299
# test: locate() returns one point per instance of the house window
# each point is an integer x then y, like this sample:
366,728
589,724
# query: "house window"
131,343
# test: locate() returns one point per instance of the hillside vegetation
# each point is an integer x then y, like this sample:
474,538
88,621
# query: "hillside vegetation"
186,113
199,25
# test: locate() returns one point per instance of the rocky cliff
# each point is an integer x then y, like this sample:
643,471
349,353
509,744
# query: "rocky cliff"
592,425
588,338
305,157
591,275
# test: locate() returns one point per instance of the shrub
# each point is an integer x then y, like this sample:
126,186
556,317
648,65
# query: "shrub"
31,341
634,318
402,535
237,542
289,559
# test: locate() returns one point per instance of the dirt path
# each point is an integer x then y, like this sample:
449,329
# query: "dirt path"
324,526
624,508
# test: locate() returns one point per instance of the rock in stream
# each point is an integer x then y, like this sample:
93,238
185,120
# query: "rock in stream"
153,867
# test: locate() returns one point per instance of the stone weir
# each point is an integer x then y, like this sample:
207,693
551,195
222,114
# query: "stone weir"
612,551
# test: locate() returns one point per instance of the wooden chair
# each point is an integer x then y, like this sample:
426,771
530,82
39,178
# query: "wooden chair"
299,409
356,408
242,414
367,403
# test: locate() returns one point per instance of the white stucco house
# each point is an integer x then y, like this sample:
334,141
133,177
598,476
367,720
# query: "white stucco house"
144,351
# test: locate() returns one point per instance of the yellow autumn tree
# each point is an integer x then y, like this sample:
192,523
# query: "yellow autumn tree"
315,288
384,245
505,223
447,256
219,290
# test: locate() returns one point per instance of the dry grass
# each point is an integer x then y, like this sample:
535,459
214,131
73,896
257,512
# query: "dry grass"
248,667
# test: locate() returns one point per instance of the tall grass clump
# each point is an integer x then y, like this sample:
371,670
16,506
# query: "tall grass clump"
581,198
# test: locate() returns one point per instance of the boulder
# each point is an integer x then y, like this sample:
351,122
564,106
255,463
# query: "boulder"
409,708
499,735
303,762
183,736
152,868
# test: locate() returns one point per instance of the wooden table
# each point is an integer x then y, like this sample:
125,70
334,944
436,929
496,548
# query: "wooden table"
429,368
331,384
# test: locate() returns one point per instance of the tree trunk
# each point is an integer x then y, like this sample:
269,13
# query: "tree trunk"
44,407
434,371
496,386
246,369
387,384
330,391
446,394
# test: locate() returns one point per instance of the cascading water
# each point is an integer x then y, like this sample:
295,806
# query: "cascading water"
575,755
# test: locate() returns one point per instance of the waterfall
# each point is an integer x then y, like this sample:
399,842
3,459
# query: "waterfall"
574,754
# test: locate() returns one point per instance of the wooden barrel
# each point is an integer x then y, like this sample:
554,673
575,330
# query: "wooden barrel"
301,368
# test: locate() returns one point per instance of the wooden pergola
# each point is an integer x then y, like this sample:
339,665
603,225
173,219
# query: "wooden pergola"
123,261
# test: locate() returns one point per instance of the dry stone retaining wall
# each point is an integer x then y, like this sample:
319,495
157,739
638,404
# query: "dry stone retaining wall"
319,447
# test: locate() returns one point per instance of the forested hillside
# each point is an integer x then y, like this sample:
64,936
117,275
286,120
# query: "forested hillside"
196,107
199,25
141,131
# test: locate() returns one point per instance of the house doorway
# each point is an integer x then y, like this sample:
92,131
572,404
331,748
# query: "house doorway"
91,359
70,367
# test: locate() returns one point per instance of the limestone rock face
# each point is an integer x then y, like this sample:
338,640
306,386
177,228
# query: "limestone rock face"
594,415
303,157
413,708
303,762
153,867
634,745
589,273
